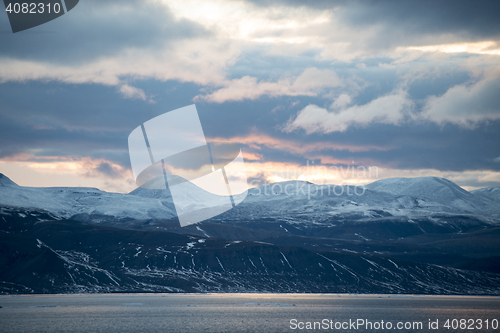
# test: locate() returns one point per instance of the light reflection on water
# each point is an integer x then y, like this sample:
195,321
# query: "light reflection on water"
231,312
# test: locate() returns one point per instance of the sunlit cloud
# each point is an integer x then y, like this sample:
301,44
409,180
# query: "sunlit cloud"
359,174
197,61
258,140
243,21
275,172
310,83
344,73
485,47
28,170
388,109
253,156
132,92
466,104
49,171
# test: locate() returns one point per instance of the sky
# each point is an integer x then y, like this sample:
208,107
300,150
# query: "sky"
338,92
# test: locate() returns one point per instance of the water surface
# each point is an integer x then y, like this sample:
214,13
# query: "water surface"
240,312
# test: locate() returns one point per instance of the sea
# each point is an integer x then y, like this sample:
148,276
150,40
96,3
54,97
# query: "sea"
248,313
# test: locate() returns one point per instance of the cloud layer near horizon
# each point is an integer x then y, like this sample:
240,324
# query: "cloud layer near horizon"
290,81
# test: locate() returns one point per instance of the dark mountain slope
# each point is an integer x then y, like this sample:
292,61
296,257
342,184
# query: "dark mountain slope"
48,256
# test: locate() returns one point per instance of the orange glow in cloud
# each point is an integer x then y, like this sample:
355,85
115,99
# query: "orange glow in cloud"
338,171
272,172
258,140
67,171
29,170
251,156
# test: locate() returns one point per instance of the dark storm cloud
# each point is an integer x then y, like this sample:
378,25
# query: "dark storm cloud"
95,29
450,149
403,19
18,138
55,119
87,106
471,18
89,120
423,146
413,145
428,146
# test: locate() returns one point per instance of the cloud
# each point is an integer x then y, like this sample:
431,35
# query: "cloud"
132,92
252,156
30,170
258,140
365,28
241,20
198,41
388,109
311,82
113,43
100,29
198,61
341,102
101,168
484,47
426,16
245,51
189,41
260,173
466,105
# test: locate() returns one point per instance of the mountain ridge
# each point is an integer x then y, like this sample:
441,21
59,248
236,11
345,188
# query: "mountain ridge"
6,181
42,255
410,197
284,237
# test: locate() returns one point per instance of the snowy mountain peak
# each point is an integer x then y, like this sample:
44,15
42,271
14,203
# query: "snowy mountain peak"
492,193
295,200
431,189
5,181
417,186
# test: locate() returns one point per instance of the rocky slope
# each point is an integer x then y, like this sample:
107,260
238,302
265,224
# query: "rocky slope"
423,235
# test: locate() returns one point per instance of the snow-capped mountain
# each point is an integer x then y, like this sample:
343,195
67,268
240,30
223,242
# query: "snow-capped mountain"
84,202
43,255
296,200
397,197
430,190
420,235
492,193
190,197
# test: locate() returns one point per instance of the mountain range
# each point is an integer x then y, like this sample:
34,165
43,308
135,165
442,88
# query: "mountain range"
400,235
